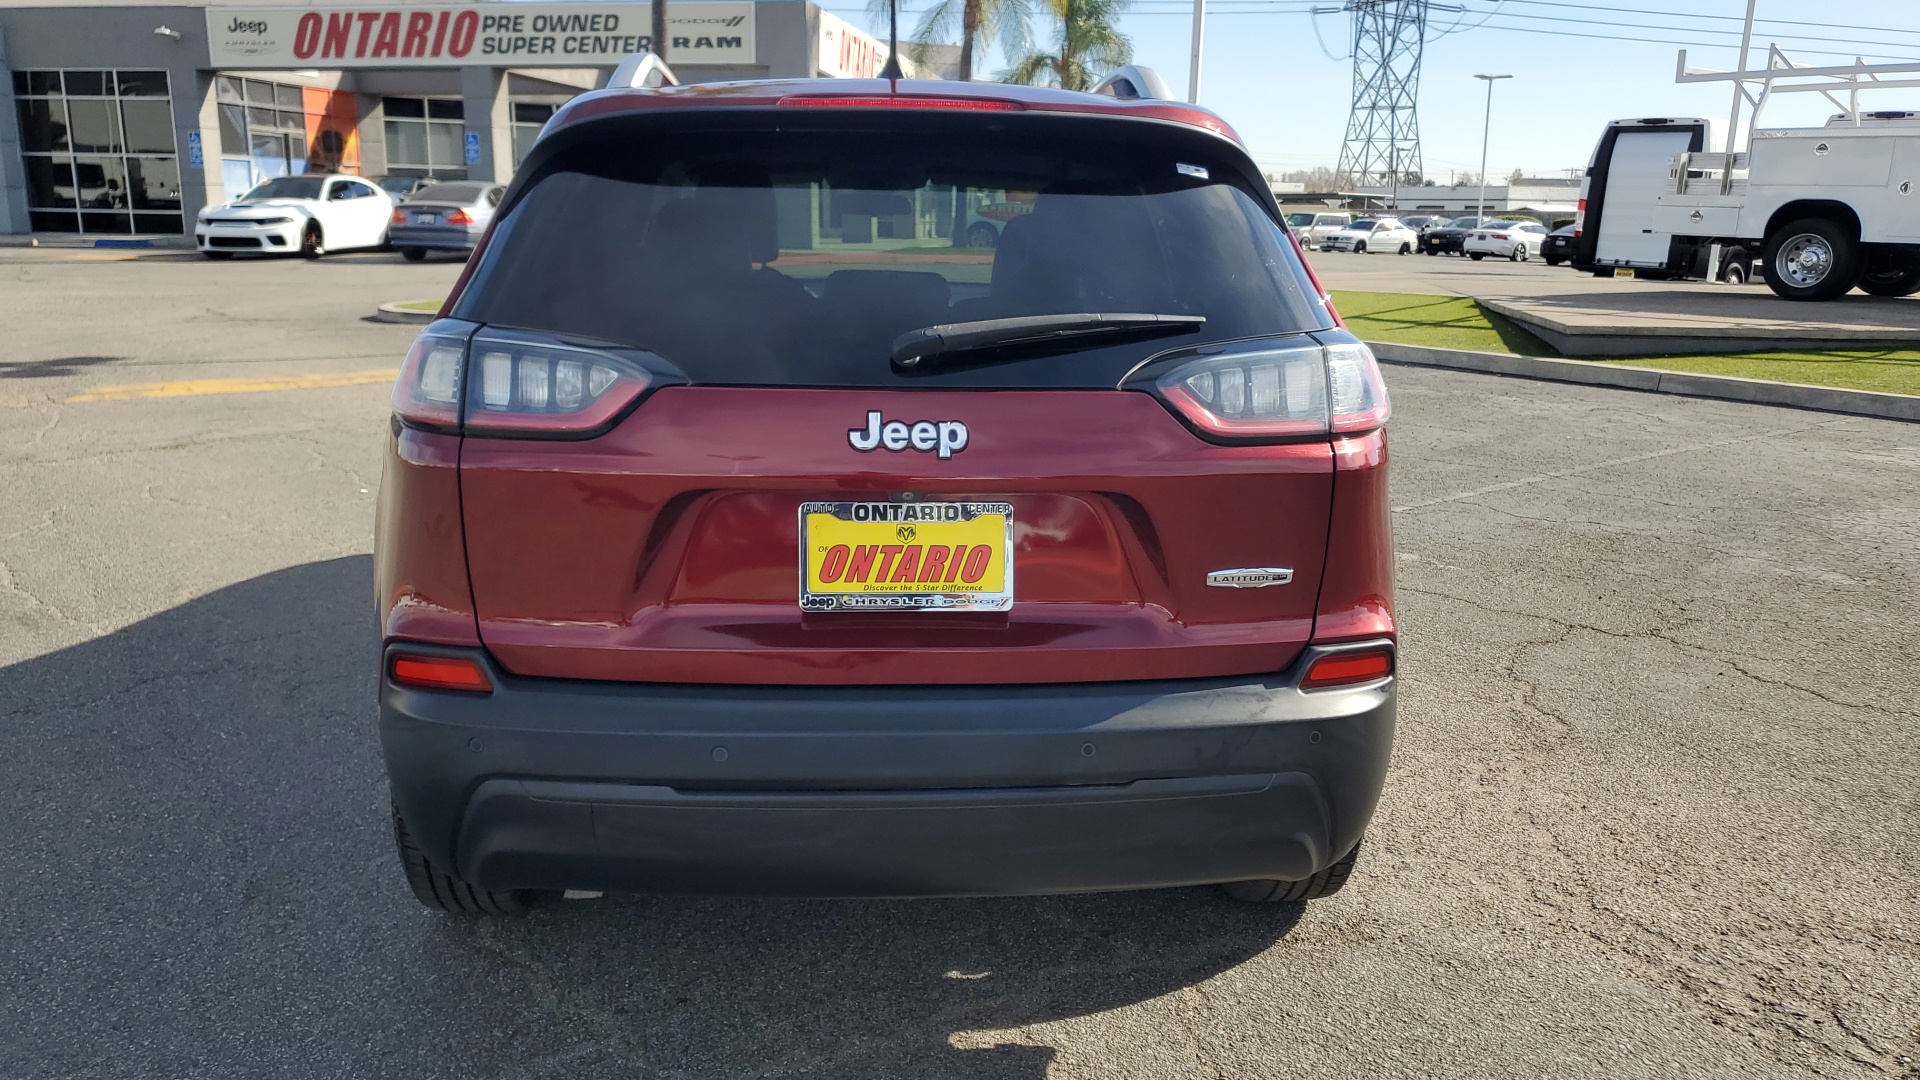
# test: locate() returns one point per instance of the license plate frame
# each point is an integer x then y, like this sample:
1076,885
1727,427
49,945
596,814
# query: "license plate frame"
921,525
426,219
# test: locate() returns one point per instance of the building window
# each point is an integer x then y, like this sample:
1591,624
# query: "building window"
99,151
272,129
426,137
528,118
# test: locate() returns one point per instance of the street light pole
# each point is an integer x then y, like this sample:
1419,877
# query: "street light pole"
1193,72
1486,132
659,14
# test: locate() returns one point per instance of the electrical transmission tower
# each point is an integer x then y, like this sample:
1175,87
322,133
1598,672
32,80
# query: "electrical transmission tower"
1383,131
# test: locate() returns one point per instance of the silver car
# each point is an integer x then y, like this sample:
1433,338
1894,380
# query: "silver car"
448,216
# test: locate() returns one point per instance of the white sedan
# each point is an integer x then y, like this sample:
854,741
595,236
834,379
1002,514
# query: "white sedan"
1373,234
311,215
1516,240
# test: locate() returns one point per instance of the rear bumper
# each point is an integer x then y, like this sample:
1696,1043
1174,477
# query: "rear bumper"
436,237
886,791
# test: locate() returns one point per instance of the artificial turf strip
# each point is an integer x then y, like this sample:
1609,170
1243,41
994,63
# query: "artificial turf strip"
1888,371
1457,322
1440,322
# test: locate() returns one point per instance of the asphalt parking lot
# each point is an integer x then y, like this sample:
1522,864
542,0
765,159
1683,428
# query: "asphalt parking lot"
1654,811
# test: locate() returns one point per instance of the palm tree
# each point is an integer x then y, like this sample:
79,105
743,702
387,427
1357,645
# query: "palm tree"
1089,45
1004,20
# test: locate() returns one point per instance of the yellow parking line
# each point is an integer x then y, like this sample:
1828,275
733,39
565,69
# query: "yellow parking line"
199,387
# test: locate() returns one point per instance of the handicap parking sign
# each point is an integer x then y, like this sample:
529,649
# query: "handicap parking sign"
473,148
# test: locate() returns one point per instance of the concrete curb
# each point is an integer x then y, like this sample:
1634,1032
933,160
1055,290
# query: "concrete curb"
1720,387
394,313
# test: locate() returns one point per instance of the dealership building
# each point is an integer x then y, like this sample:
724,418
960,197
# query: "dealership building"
121,120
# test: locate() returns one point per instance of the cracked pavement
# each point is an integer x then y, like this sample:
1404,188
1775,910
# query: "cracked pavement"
1654,810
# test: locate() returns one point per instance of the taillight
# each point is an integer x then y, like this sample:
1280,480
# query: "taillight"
427,393
1274,394
1346,668
439,673
1579,217
459,217
532,388
1499,236
399,217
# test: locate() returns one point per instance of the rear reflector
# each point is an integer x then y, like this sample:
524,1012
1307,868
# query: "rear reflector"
903,102
1339,669
440,673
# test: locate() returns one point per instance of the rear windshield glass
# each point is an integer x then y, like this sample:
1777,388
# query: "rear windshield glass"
796,258
448,193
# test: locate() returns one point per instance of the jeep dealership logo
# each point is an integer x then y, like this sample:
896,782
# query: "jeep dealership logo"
497,34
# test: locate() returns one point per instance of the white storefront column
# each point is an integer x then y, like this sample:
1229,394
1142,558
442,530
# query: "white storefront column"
489,122
13,180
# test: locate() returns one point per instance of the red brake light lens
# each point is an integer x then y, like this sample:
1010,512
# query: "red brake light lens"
459,217
440,673
427,393
399,217
533,389
902,101
1579,217
1277,394
1346,668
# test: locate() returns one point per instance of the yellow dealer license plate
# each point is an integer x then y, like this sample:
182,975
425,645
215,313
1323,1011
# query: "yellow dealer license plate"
906,556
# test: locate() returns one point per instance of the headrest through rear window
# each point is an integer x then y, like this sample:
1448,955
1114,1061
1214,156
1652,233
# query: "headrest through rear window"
742,194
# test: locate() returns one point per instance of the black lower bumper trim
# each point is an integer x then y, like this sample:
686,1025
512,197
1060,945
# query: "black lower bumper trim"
885,790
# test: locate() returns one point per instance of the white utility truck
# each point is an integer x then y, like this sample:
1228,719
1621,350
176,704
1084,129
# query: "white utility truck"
1816,211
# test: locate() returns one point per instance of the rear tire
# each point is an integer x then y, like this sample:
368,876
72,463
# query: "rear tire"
1897,280
413,254
1430,251
982,235
1518,254
1551,261
1811,259
442,891
1476,256
1325,883
1406,249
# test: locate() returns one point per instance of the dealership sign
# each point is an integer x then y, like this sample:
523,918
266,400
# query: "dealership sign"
490,34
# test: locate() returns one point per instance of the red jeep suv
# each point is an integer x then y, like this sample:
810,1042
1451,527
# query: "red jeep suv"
753,522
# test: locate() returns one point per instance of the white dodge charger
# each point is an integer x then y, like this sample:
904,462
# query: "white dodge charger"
311,215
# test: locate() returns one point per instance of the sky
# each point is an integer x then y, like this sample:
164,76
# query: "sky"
1288,93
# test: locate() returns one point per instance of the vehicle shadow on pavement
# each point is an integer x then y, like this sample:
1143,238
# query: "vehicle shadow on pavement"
199,881
55,368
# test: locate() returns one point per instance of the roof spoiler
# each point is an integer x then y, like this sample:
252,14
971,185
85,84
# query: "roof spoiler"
641,70
1133,82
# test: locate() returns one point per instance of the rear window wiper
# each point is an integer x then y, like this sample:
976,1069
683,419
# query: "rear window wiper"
1036,335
